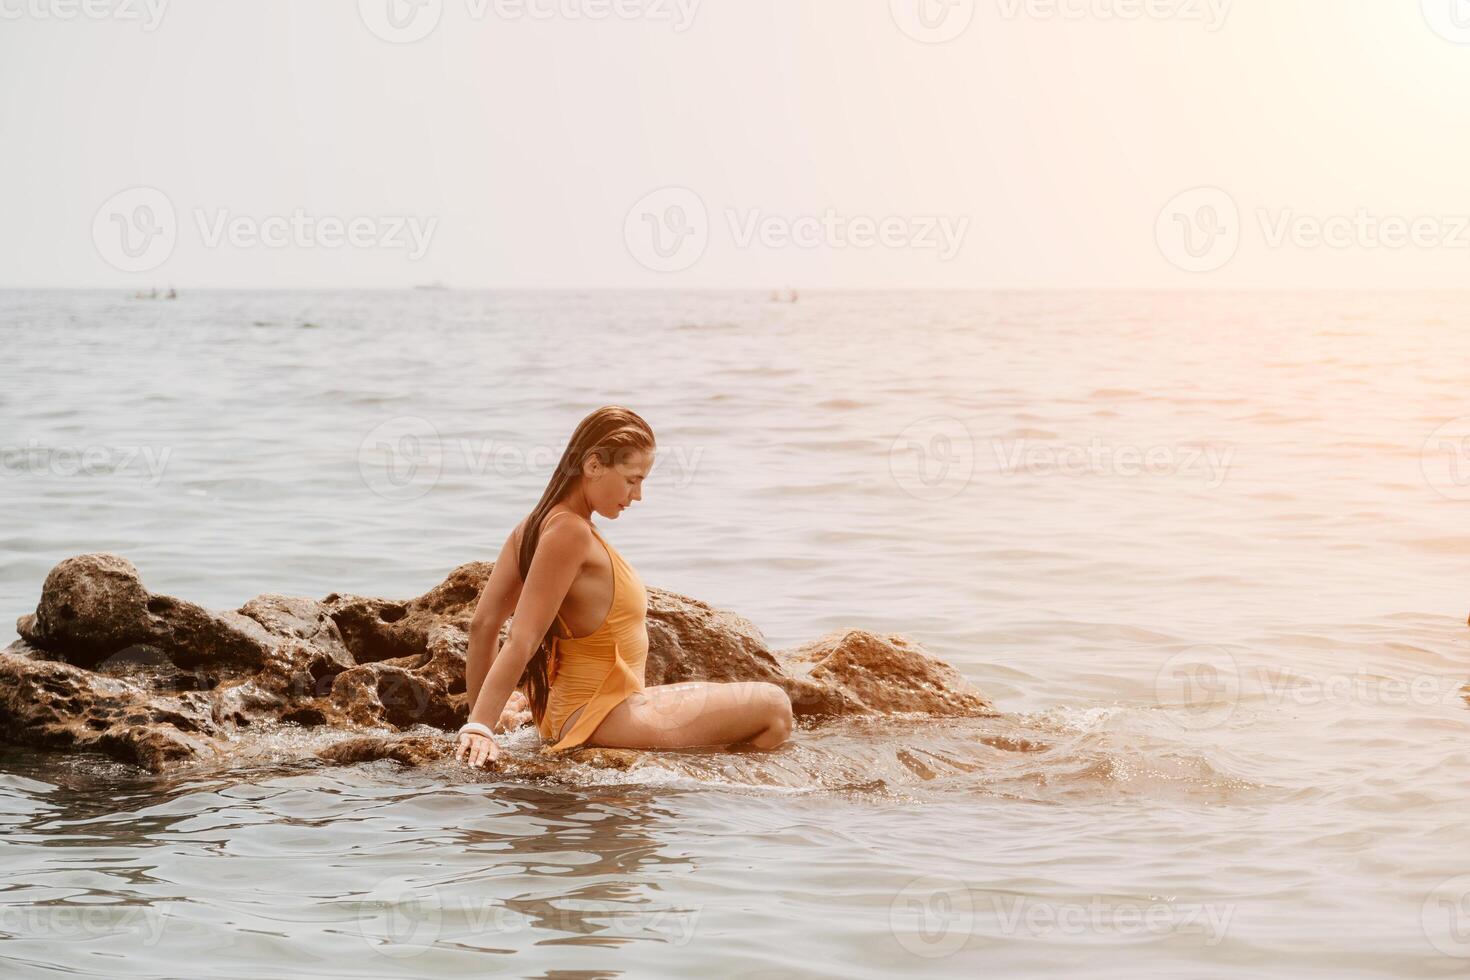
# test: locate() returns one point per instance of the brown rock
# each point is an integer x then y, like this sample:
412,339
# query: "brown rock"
411,750
889,675
418,750
93,605
106,665
47,704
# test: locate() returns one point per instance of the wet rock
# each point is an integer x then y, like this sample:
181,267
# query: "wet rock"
106,665
384,629
411,750
420,750
888,675
93,605
690,640
48,704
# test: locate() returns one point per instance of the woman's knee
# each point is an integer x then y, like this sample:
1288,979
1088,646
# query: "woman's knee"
777,717
780,706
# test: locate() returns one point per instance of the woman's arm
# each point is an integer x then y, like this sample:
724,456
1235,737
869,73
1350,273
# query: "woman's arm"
560,553
497,600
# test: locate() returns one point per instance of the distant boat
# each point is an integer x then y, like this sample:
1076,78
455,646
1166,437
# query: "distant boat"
436,284
787,295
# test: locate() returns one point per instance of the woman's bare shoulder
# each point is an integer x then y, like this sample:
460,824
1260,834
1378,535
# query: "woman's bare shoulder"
566,532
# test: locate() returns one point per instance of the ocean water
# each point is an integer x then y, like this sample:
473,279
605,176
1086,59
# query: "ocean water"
1207,552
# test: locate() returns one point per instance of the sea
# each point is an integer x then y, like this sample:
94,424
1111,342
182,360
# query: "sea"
1208,554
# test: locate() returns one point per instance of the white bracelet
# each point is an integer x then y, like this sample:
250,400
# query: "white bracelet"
475,726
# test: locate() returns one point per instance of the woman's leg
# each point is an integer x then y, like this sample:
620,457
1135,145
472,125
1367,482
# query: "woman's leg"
695,713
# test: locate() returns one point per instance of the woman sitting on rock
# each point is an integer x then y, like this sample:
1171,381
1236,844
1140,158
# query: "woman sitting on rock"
583,675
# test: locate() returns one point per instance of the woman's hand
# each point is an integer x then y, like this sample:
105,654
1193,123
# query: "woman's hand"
517,713
476,749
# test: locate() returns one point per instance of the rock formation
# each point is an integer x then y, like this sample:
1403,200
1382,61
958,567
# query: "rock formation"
104,665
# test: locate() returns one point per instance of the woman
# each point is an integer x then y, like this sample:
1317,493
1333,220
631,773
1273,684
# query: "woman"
583,674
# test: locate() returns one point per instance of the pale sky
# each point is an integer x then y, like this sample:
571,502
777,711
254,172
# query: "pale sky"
532,143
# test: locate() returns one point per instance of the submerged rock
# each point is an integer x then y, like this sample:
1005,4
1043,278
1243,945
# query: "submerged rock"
105,665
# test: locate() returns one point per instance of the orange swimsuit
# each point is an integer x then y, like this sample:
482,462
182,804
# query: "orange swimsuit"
601,669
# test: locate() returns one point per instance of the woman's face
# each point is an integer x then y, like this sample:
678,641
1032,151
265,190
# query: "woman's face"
611,490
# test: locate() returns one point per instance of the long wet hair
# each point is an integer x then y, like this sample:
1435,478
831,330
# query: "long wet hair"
611,433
